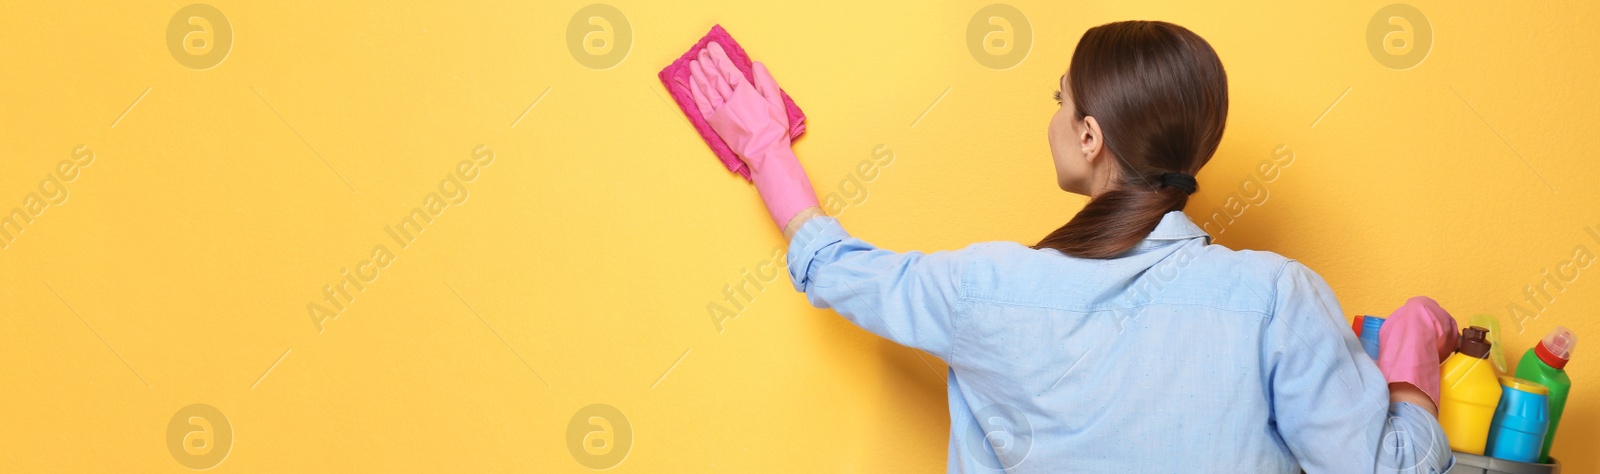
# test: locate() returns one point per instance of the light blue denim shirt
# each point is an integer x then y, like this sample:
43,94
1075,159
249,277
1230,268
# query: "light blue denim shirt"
1179,356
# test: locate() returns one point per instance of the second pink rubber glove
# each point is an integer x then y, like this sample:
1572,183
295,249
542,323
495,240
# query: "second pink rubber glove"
751,119
1412,343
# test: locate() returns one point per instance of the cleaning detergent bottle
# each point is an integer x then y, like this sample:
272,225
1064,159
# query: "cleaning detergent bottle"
1543,364
1520,422
1370,326
1469,391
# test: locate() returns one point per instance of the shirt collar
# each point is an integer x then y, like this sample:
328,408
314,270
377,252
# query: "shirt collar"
1175,225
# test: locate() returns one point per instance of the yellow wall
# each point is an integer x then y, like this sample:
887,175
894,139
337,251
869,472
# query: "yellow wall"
579,269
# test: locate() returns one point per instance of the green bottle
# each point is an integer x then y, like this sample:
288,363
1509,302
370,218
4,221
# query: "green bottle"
1543,365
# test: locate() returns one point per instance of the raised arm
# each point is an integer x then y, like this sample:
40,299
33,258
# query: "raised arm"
911,298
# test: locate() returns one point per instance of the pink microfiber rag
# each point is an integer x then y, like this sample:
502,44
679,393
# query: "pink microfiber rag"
676,78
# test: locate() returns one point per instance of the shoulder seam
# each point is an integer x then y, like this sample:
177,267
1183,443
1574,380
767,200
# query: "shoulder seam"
1272,313
959,314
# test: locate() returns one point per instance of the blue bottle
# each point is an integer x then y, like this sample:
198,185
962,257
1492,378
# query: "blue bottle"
1520,421
1369,334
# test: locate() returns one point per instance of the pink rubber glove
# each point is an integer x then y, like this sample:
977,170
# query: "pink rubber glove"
751,118
1414,341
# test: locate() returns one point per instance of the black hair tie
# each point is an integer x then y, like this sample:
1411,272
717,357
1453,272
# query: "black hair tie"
1181,181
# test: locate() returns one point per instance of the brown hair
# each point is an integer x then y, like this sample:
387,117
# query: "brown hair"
1161,97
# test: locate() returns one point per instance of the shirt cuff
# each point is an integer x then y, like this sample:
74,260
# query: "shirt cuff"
814,235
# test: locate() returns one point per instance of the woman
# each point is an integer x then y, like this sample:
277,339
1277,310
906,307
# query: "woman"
1123,341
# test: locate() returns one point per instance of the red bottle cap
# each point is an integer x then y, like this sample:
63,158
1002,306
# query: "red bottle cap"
1549,359
1556,348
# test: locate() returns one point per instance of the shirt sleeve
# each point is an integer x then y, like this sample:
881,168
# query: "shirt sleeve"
910,298
1329,402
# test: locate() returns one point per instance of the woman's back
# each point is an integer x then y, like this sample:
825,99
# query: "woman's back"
1179,356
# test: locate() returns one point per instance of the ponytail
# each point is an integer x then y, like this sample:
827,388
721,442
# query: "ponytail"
1115,221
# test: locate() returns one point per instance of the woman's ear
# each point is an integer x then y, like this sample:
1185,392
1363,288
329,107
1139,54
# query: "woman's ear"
1091,139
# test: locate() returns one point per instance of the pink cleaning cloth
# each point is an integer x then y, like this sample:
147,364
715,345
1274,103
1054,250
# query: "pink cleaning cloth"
676,78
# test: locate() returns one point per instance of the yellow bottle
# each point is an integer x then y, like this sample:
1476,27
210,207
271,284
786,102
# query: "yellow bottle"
1469,390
